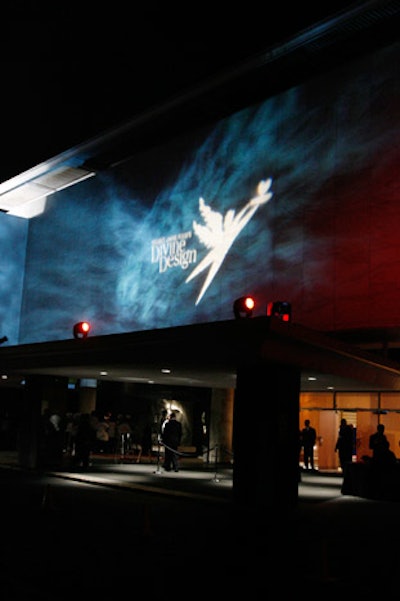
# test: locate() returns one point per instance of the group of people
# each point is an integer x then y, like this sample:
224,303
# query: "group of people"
77,435
378,444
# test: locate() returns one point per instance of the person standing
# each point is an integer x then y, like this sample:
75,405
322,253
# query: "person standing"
344,444
171,438
308,440
379,445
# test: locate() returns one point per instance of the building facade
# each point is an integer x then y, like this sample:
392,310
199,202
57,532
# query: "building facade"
294,197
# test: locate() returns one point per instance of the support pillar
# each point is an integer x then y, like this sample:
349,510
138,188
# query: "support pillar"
266,435
28,442
87,399
221,427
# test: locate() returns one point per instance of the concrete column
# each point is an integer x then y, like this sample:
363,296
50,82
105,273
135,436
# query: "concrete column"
221,425
30,423
87,399
265,436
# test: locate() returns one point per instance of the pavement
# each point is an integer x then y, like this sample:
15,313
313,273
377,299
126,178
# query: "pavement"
198,481
116,522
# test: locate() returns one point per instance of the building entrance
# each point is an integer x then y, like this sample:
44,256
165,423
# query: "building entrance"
363,411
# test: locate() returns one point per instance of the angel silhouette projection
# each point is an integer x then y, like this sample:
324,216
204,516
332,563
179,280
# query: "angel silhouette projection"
219,233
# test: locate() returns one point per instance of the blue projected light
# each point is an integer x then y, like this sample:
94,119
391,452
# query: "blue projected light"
238,206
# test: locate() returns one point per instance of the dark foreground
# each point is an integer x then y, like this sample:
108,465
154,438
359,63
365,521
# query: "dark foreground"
63,538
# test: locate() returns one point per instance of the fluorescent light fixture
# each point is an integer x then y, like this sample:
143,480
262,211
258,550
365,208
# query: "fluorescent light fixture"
25,196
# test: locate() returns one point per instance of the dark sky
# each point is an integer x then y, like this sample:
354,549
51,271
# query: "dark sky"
70,72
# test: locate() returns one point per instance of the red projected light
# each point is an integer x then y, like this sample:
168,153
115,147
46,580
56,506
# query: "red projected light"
81,329
280,309
243,307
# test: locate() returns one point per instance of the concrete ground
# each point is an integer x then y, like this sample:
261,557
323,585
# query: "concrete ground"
127,527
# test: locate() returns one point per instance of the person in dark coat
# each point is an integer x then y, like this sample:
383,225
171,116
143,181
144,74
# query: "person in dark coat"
308,440
345,443
379,445
171,438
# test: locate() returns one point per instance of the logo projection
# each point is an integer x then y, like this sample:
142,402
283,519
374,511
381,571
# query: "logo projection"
217,234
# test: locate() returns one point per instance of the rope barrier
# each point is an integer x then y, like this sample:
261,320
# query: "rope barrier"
126,447
207,451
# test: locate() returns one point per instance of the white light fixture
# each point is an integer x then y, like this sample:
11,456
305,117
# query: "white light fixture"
25,195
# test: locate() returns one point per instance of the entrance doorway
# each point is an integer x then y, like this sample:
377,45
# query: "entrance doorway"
327,424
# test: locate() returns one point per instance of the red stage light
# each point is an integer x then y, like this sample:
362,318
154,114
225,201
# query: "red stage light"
243,307
81,329
280,309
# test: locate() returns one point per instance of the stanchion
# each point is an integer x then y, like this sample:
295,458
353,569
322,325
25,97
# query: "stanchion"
216,479
158,470
119,450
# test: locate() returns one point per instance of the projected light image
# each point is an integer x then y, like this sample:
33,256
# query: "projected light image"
13,237
219,233
293,199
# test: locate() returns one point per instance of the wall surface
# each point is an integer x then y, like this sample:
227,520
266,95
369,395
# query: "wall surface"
13,240
293,199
